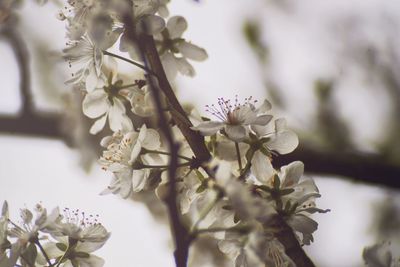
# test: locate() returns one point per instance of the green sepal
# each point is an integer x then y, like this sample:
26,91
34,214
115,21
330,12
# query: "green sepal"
286,191
62,246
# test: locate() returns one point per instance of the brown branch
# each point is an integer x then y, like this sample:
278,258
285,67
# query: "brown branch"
45,126
288,239
365,168
179,231
194,138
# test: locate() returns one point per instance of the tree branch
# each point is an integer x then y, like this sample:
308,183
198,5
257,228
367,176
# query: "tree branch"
179,231
373,169
194,138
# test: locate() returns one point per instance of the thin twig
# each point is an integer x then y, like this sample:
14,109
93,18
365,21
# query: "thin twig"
149,71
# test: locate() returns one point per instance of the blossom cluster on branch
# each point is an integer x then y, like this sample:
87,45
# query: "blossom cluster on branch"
257,214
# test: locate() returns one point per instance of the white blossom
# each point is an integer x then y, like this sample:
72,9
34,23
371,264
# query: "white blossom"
234,118
142,102
89,59
124,159
281,141
174,50
107,103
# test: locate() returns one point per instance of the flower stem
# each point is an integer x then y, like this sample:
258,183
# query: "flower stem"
43,252
129,61
164,166
127,86
221,229
239,158
166,153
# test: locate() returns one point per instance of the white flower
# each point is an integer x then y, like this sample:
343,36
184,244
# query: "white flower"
269,250
89,59
29,229
380,255
234,118
78,226
142,102
108,103
246,205
175,51
281,140
146,21
124,159
235,246
78,255
299,200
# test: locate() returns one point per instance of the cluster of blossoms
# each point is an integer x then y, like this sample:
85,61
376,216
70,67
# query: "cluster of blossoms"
97,25
238,197
57,239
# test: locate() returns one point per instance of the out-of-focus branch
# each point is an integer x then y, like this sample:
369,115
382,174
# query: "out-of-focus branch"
22,56
46,126
358,167
28,121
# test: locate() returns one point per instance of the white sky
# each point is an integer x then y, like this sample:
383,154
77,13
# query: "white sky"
33,170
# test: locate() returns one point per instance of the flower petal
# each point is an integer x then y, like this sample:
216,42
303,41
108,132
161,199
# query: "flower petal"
138,180
192,51
283,142
98,125
261,167
151,24
292,173
185,68
115,114
170,65
235,132
208,127
95,104
152,140
266,106
262,120
176,25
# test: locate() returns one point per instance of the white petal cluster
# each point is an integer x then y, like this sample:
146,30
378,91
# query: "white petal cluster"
234,118
67,239
174,50
124,157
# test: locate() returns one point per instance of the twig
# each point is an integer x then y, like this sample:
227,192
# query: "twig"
129,61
